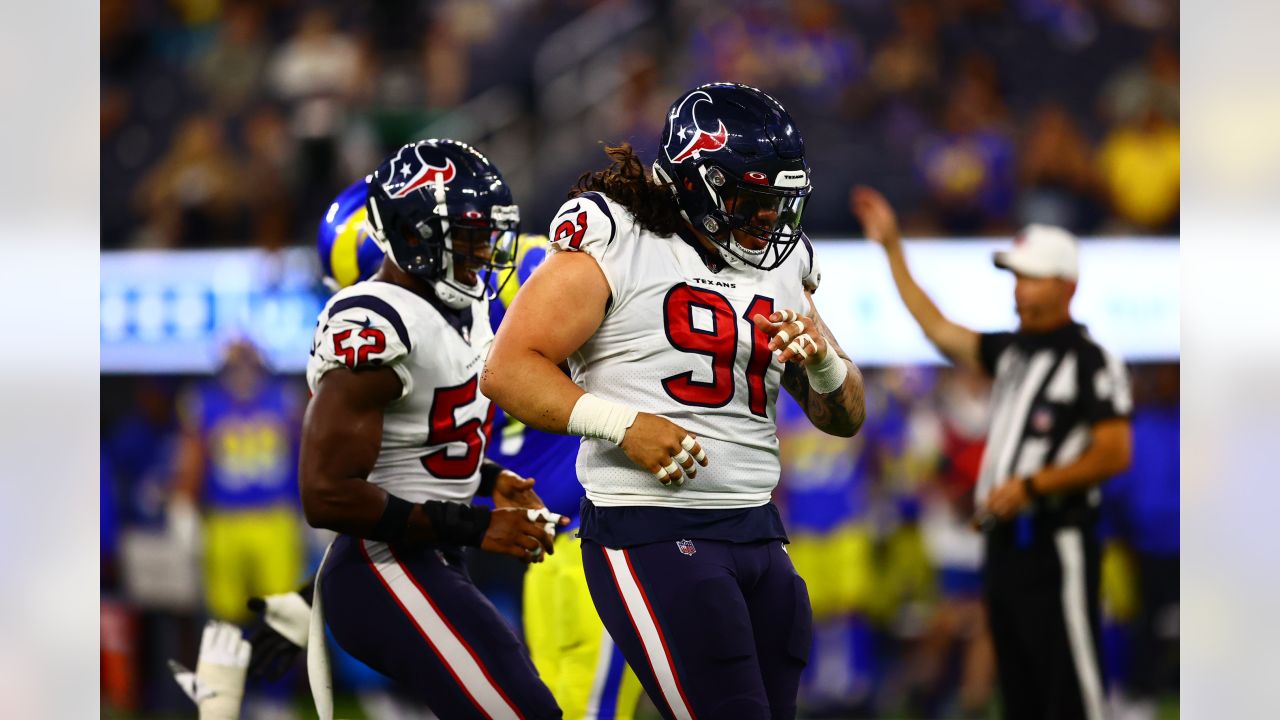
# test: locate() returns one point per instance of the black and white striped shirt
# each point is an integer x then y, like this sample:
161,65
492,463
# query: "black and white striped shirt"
1050,389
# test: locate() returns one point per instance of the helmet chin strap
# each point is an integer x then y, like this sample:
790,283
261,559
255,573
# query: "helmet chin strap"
451,296
446,290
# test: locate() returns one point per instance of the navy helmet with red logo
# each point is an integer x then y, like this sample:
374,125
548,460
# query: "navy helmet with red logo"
436,206
735,162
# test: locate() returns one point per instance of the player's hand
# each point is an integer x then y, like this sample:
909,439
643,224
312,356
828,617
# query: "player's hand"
513,491
217,685
1008,500
281,633
793,336
879,221
522,533
663,448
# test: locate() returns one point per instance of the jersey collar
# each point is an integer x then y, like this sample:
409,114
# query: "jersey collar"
711,259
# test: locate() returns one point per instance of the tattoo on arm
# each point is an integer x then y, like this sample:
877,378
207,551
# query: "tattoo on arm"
840,412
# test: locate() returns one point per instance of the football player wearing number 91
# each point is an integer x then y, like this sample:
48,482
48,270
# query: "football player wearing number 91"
681,300
393,444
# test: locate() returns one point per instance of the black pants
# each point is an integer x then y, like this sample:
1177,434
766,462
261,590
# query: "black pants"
714,630
1041,584
415,616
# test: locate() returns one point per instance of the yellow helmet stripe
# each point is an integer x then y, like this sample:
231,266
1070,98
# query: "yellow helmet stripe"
527,243
344,256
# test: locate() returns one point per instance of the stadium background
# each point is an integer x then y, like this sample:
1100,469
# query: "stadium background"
228,125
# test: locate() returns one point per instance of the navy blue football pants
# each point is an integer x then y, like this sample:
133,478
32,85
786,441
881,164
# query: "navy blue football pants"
416,617
712,629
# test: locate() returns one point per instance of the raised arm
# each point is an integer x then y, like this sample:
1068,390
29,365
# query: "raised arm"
958,343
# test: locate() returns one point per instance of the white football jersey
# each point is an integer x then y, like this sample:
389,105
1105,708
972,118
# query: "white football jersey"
677,341
434,436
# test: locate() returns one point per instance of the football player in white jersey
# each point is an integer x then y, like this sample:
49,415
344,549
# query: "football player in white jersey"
394,436
681,301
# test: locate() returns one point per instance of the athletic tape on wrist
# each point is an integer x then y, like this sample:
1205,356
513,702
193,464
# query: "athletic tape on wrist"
828,375
595,417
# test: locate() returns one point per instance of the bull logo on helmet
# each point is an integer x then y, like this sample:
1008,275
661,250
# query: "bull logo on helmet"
409,172
688,135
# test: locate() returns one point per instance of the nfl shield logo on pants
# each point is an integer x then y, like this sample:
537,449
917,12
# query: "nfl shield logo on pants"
686,547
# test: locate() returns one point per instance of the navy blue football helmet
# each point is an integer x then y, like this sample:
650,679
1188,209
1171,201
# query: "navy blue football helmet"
439,206
735,161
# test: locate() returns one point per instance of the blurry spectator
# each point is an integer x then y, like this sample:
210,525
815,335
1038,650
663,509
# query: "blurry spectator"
445,66
315,72
904,446
108,523
139,454
824,495
192,195
231,70
1071,22
267,172
957,633
1140,167
909,63
1151,85
1151,15
140,451
816,54
1057,181
726,44
968,168
643,101
809,55
124,48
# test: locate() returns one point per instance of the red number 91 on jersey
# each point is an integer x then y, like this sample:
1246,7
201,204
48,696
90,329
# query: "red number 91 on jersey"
719,342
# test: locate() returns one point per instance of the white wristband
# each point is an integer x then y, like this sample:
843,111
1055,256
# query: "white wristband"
828,375
596,417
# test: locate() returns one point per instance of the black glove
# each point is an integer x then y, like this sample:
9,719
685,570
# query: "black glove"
280,632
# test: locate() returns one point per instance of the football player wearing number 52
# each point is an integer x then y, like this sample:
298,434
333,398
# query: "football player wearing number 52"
681,299
393,445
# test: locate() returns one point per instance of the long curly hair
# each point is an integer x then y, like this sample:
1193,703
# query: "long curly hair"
628,183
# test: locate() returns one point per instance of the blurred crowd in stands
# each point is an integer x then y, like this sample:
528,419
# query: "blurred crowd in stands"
234,122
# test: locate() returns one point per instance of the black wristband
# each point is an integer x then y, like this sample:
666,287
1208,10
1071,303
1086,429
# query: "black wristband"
1029,487
489,472
457,524
394,520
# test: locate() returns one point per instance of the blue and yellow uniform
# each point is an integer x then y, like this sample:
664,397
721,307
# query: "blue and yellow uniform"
824,495
568,644
253,528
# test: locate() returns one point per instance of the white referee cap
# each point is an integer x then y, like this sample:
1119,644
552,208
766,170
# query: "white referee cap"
1042,251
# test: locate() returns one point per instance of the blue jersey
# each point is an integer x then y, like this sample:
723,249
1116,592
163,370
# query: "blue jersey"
1142,504
250,446
548,458
824,478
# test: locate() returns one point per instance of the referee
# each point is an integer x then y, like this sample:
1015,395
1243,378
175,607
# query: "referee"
1059,427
